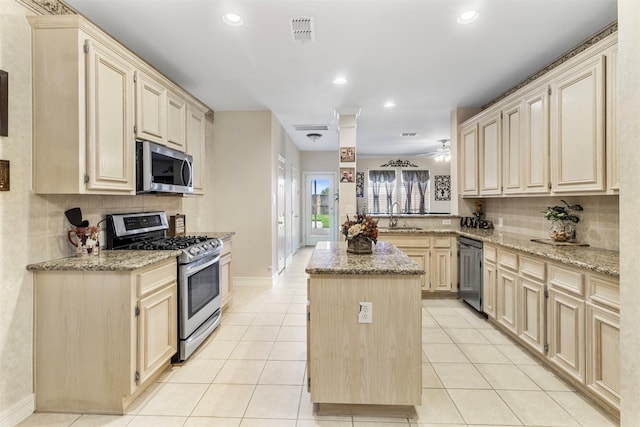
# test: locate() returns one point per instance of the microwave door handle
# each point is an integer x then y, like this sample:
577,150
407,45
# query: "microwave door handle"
186,162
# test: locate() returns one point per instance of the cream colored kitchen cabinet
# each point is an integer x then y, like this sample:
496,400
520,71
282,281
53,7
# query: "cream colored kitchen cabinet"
578,128
226,273
489,280
531,310
613,172
468,169
83,93
566,333
176,122
443,268
434,254
511,151
102,336
507,293
490,150
151,109
196,146
603,353
535,138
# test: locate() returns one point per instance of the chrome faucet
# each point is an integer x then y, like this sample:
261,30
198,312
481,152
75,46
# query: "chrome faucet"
393,221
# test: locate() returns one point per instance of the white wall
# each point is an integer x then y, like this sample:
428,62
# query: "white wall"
628,98
315,161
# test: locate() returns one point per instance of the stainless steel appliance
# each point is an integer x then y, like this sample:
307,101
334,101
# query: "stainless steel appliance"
470,272
199,299
160,169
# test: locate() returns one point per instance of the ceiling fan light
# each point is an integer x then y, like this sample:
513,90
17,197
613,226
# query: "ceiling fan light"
314,136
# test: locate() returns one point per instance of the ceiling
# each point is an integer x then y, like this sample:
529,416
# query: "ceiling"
412,52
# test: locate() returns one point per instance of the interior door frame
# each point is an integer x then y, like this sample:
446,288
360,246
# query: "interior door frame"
333,210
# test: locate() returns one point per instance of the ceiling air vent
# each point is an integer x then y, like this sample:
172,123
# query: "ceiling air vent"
302,29
309,128
408,133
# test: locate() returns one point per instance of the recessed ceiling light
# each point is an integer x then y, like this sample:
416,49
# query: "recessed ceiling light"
340,80
389,104
467,17
232,19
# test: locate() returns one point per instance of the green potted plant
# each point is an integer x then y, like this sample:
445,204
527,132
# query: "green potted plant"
563,221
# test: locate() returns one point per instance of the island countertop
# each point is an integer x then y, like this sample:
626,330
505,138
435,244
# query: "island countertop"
333,258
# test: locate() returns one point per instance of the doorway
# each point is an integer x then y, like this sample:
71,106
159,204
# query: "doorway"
320,207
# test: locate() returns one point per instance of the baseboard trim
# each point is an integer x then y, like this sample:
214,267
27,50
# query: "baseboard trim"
18,412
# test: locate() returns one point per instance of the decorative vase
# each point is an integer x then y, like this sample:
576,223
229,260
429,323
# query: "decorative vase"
562,232
359,245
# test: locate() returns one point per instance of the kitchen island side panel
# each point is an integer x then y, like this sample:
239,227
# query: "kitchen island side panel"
357,363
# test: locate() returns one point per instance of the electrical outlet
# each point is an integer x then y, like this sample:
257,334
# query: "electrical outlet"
500,223
446,222
365,314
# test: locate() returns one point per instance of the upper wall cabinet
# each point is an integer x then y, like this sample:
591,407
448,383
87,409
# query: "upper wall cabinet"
91,98
577,128
469,160
196,146
490,140
83,101
555,135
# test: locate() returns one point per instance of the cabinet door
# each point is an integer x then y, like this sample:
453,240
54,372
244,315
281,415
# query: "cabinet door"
225,279
613,174
176,122
196,146
157,330
110,140
565,331
506,305
490,140
469,162
151,110
531,313
489,284
420,257
603,353
440,271
511,153
536,141
577,128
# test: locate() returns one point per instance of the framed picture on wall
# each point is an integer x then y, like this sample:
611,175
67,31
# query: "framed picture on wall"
347,174
4,103
359,184
347,154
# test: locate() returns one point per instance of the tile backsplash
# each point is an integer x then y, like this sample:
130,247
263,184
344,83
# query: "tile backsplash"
598,226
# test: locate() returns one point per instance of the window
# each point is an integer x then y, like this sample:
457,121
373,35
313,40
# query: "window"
412,191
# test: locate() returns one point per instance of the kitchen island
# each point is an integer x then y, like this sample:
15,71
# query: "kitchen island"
351,362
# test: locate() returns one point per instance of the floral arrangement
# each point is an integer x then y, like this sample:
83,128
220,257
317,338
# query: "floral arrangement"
363,226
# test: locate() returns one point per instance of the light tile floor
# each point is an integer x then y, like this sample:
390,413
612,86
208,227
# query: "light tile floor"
251,372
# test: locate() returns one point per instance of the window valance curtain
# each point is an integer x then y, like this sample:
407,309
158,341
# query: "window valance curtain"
419,178
376,179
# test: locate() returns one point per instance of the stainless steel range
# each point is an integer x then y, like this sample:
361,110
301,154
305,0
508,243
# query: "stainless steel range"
199,300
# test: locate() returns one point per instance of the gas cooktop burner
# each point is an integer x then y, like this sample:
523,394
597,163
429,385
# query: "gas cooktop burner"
170,243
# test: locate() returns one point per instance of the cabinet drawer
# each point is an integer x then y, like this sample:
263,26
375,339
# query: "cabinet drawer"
508,260
532,267
156,277
490,253
414,241
226,247
567,279
604,292
442,242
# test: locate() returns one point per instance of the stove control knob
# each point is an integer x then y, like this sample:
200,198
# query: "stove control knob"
193,251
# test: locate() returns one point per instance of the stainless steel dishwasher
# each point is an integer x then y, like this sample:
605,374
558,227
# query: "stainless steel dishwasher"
470,272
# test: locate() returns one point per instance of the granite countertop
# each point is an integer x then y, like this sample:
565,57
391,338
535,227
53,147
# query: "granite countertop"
332,258
108,260
599,260
216,234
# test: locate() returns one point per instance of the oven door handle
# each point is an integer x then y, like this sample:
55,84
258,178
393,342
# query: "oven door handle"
195,267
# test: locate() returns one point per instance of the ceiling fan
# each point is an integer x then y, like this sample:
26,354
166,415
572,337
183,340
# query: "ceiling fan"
442,154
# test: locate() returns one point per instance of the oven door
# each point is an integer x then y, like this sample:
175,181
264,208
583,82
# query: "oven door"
198,294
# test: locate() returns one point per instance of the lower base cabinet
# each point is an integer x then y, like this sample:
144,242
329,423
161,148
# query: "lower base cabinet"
603,353
566,333
102,336
226,273
531,313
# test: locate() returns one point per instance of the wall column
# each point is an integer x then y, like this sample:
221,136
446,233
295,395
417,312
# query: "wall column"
347,204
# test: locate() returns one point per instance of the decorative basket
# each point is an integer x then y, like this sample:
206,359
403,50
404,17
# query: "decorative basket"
359,245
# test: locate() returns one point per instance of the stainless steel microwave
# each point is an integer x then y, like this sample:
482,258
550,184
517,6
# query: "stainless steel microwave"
160,169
